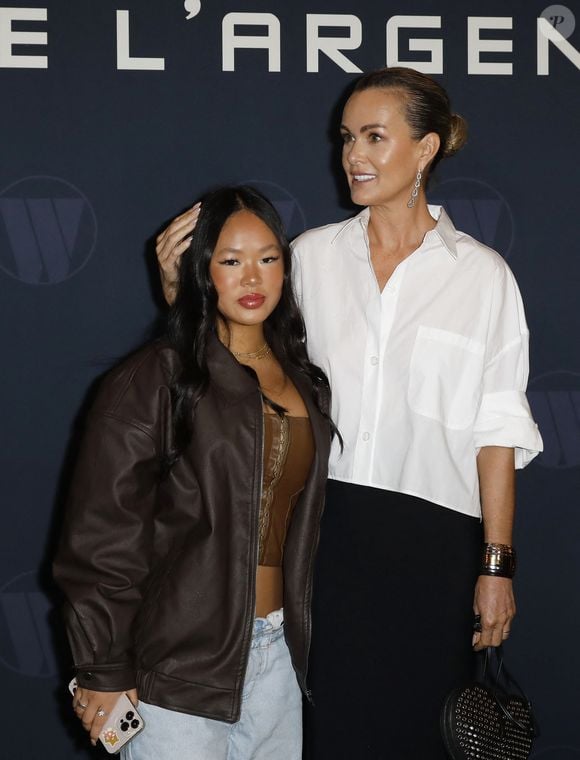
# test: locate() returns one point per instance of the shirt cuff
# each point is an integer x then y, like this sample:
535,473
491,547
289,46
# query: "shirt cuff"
505,419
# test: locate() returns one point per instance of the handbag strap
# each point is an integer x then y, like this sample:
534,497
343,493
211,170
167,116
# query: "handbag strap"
492,658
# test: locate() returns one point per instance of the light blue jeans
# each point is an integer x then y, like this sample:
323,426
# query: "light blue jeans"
270,725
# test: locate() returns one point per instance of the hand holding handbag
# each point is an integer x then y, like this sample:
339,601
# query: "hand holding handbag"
490,718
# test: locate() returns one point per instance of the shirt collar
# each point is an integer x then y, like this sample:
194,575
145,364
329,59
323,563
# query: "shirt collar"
444,228
362,218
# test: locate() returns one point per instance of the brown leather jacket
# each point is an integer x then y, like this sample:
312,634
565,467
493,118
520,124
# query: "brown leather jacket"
159,574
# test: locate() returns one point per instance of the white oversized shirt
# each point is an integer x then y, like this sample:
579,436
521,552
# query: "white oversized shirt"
424,373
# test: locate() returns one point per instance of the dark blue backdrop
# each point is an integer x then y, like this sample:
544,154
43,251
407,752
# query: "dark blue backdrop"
115,116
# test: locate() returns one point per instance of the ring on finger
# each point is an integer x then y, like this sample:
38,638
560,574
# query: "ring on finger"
81,705
101,713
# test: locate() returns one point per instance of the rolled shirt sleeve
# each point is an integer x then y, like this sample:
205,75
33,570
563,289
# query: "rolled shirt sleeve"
504,417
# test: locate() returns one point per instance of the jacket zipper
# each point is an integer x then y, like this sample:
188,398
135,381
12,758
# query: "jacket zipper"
309,590
252,606
309,587
257,510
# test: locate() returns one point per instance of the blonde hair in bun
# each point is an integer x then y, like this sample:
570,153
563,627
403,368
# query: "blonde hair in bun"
457,135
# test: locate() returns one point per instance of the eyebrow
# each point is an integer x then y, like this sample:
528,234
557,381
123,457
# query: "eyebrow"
365,128
261,250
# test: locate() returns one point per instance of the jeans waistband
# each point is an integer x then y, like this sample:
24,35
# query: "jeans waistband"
271,627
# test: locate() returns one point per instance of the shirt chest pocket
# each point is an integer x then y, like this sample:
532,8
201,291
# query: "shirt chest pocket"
445,377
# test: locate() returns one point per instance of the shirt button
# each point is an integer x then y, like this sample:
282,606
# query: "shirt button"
365,436
374,360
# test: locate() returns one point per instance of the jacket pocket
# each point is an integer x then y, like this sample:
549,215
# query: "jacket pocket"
445,377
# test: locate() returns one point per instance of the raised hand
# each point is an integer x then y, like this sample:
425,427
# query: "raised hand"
170,245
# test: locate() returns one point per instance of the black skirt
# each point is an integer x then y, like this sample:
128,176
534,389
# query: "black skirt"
392,624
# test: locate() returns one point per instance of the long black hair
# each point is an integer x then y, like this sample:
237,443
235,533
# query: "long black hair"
193,318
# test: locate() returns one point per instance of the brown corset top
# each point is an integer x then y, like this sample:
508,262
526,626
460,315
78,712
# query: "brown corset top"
288,455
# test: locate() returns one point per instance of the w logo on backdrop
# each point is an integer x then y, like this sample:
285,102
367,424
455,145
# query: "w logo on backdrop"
555,402
479,210
48,230
286,205
26,645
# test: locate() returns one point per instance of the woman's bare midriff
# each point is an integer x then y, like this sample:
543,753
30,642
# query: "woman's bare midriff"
269,589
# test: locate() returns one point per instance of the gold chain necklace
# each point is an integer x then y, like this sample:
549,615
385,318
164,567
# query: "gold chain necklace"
261,353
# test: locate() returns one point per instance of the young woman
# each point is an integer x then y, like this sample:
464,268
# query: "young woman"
187,554
422,333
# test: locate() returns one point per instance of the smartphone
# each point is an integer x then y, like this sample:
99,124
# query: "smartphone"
122,724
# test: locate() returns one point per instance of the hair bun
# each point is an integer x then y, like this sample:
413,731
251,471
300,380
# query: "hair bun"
457,135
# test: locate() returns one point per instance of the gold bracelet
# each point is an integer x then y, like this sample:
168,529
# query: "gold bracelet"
498,560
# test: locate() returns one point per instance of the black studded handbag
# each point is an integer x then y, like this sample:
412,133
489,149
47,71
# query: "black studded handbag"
490,718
